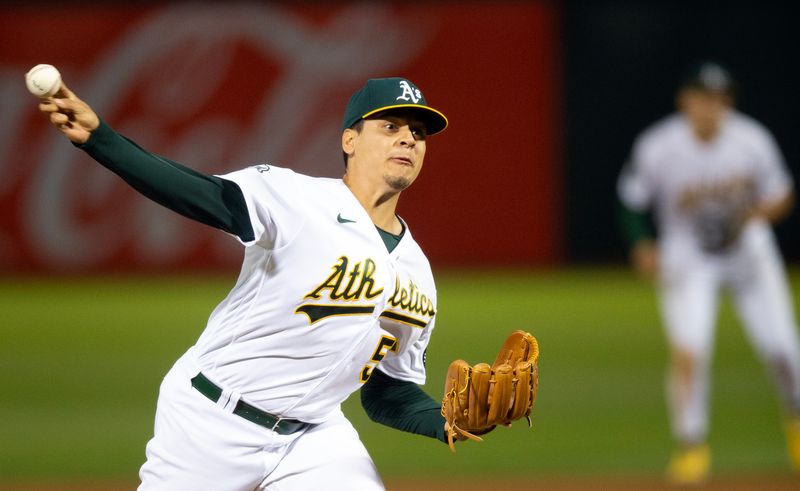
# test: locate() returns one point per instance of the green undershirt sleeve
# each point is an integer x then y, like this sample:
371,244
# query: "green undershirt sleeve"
402,405
635,225
207,199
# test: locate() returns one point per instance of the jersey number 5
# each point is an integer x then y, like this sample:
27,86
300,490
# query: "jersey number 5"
386,344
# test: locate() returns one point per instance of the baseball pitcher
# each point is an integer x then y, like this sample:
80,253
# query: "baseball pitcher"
334,295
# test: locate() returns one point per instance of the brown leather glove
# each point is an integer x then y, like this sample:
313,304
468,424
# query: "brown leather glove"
480,397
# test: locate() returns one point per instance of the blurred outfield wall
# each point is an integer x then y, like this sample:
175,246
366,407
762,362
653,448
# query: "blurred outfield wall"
544,96
221,86
623,61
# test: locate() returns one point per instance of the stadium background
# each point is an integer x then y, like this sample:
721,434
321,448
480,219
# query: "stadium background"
102,290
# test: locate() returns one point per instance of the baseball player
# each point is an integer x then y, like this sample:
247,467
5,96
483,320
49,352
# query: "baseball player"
714,180
332,285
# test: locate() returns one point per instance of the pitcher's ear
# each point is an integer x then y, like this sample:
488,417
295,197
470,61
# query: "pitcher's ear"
348,140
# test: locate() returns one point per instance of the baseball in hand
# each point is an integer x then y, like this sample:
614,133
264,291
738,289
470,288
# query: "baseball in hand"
43,80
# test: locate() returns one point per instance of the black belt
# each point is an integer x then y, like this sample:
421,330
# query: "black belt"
248,412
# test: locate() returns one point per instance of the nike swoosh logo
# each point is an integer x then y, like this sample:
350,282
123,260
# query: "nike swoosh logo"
343,220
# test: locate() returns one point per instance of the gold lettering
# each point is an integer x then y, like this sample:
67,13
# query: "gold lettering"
361,274
404,299
693,197
348,293
332,282
393,300
368,282
411,299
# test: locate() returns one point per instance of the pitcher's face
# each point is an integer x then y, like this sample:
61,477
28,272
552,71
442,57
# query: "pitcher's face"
389,150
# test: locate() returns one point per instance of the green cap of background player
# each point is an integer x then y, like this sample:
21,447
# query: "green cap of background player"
709,76
381,94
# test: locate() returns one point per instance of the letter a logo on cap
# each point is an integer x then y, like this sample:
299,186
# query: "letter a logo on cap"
409,93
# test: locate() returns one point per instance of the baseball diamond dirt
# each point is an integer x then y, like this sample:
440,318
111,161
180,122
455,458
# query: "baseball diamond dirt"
584,483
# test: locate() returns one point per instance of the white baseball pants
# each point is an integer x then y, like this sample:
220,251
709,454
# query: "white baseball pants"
691,284
201,445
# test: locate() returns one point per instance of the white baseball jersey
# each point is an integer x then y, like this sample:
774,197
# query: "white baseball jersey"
690,183
319,301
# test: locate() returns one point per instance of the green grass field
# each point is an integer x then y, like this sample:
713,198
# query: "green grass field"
81,362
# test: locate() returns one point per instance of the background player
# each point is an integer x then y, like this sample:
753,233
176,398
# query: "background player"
714,180
332,284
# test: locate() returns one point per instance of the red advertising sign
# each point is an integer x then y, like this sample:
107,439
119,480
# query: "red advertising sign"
219,87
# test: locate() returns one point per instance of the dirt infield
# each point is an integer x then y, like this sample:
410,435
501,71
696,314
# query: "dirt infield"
602,483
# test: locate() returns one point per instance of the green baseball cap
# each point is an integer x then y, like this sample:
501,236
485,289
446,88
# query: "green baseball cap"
710,76
381,94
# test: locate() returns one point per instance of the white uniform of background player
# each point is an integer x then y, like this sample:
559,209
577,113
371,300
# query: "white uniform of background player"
714,178
332,284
